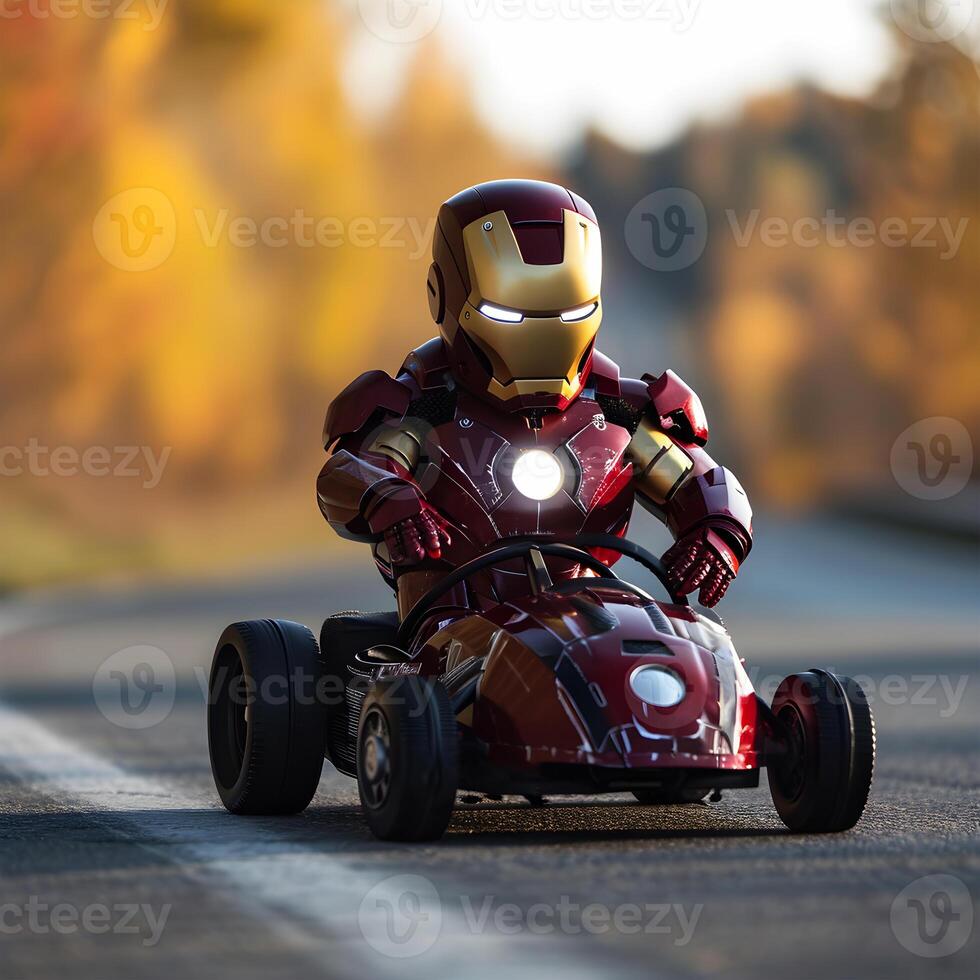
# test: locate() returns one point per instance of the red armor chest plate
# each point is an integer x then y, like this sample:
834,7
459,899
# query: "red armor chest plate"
469,474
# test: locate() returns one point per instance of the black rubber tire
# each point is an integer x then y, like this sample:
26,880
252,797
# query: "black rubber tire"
343,636
266,725
337,747
668,797
821,785
420,756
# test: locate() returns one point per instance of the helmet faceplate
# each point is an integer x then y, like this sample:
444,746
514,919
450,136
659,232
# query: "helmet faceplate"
514,288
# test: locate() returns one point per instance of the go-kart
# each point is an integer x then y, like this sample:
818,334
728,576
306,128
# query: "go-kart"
583,686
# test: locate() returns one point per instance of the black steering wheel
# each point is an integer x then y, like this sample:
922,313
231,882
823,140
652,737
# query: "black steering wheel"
532,550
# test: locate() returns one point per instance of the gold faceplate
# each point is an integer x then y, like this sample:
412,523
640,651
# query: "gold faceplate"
499,274
538,354
543,352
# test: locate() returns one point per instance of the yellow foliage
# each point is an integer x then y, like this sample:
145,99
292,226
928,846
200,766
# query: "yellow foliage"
164,283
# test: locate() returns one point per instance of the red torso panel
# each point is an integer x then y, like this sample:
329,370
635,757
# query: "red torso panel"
421,440
468,475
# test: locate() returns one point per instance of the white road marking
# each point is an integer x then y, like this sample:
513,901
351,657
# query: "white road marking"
318,902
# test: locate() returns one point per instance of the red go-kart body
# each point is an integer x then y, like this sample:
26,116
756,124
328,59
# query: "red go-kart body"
588,685
567,692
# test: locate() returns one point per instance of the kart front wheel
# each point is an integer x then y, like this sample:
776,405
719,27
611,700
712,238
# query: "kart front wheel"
407,758
820,781
266,725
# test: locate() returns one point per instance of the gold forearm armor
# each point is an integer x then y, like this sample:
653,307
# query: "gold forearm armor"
660,465
402,442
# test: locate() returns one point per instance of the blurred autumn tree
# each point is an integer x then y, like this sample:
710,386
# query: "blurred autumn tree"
814,357
228,354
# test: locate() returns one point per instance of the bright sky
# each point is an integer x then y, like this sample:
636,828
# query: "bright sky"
540,71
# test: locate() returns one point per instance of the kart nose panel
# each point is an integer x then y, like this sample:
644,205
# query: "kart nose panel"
557,688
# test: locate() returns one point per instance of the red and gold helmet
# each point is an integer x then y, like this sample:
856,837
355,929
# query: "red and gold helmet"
514,288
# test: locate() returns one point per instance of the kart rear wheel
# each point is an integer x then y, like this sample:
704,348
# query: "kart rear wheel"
821,784
666,797
266,725
407,758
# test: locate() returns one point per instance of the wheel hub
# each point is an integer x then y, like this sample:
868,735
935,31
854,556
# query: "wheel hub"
792,769
375,761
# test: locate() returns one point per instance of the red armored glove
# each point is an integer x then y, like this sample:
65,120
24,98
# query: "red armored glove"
424,534
701,558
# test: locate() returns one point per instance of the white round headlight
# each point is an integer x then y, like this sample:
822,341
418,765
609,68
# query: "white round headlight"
537,475
658,686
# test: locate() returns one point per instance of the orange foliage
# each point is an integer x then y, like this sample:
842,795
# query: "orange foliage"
225,350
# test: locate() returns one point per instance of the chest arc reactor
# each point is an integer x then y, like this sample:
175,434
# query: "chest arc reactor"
537,474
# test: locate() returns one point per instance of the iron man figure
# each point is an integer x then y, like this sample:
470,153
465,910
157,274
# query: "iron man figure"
510,422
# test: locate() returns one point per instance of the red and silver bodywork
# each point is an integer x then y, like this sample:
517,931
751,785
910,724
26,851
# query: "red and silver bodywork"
556,704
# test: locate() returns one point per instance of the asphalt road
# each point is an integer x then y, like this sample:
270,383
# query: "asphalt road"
117,861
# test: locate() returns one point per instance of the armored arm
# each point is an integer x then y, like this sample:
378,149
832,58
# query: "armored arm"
702,504
366,485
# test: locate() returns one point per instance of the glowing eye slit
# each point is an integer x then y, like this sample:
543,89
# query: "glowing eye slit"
501,313
579,312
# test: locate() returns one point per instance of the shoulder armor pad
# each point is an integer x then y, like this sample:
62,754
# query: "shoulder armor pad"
360,399
678,407
604,375
427,364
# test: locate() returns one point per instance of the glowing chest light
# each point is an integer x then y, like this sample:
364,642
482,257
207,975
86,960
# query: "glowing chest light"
537,474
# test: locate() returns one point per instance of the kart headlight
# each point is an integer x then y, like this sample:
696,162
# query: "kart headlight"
657,685
537,474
